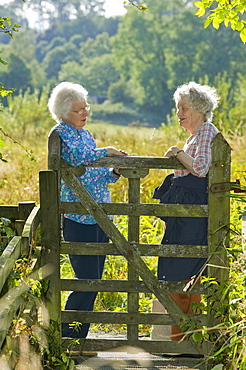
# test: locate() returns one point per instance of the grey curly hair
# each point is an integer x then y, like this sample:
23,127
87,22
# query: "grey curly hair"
62,98
204,99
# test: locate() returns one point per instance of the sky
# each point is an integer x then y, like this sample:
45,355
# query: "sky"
112,7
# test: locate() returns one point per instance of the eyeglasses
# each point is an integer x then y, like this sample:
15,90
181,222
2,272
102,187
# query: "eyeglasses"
83,110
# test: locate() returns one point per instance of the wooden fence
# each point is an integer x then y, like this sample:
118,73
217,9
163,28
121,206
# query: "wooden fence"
24,219
140,278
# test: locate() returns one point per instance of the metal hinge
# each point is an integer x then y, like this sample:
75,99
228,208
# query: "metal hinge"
228,186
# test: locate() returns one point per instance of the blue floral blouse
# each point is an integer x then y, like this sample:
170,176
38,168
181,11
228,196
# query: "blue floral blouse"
78,148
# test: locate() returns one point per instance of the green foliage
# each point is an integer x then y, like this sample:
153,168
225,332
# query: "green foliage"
31,339
115,113
120,92
4,92
97,73
16,75
228,12
6,233
95,47
26,110
229,302
56,57
161,56
7,27
141,7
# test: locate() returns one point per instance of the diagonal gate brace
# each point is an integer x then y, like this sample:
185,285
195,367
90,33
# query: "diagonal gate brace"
126,249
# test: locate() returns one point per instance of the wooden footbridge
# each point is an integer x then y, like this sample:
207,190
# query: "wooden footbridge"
27,218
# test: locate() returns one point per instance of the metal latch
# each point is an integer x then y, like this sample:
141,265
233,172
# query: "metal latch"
228,186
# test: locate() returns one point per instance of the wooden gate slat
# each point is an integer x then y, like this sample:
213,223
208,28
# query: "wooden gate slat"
124,286
126,317
147,345
143,209
143,249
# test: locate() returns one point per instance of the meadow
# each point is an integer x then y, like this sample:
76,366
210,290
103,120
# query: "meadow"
25,126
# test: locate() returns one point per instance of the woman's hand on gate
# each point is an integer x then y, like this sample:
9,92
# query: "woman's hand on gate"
115,152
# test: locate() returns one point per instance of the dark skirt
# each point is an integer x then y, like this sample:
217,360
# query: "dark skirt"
182,230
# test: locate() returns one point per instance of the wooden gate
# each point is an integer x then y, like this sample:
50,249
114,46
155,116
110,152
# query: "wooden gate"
140,278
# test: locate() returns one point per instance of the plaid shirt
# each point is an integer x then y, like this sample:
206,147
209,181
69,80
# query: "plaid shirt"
78,148
198,146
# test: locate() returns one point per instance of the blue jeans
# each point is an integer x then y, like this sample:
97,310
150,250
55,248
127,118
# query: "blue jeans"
85,267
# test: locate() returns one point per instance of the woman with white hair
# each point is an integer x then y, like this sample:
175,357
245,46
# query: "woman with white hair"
69,108
195,104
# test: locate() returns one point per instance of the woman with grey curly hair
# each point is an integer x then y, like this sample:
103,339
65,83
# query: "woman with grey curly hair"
195,104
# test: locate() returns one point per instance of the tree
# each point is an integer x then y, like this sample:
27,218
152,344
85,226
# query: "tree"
23,45
7,28
120,92
56,57
53,11
17,75
84,26
70,71
96,74
155,55
139,52
229,12
92,48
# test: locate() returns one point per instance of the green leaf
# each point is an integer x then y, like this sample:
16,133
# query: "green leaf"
143,8
199,4
200,12
207,22
218,367
243,35
197,337
238,26
3,62
216,23
71,365
64,357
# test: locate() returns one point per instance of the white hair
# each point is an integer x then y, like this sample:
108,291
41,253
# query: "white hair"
204,99
62,98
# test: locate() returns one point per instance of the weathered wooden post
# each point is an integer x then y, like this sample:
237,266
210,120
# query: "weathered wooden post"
219,216
51,231
24,209
50,239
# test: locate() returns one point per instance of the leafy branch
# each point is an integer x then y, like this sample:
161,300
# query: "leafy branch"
6,26
28,153
141,7
228,12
